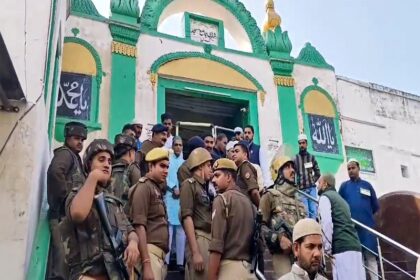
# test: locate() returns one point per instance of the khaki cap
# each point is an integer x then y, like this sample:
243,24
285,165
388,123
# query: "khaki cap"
224,163
306,227
157,154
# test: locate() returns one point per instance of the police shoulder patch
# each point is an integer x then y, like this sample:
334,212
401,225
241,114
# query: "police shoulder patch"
247,175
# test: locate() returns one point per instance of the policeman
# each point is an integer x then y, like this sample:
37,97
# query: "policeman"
281,209
64,173
184,171
149,217
125,172
232,226
195,203
159,136
89,252
247,178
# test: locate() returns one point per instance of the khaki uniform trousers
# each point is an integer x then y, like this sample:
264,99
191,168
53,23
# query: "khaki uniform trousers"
238,270
281,265
157,261
203,240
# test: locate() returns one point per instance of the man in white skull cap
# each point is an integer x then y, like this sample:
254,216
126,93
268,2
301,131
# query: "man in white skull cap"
307,248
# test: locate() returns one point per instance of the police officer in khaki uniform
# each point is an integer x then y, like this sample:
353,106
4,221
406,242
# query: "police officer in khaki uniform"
232,227
125,172
159,136
247,178
196,203
281,209
149,217
64,173
184,171
89,252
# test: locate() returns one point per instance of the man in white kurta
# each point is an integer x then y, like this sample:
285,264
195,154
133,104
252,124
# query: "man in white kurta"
339,234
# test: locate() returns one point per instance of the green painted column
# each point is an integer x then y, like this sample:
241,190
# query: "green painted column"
125,31
288,113
279,48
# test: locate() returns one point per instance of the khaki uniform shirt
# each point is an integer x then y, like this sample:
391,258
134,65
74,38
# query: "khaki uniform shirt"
196,203
232,225
87,247
298,273
146,147
148,209
183,173
247,178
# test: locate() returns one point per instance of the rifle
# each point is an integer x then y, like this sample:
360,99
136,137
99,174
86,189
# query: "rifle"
116,242
256,241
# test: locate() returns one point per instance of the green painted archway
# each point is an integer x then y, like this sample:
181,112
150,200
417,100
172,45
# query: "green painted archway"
153,9
220,93
327,162
181,55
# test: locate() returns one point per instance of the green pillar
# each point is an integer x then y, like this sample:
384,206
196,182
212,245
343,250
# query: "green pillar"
125,31
279,48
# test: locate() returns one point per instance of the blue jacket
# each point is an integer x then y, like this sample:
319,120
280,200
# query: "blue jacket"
363,203
254,153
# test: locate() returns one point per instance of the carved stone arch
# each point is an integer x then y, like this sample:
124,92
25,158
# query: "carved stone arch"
153,9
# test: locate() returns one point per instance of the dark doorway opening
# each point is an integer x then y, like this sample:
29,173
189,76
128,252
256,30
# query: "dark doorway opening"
202,108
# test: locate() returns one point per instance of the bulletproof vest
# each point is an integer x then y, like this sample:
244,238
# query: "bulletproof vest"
74,178
120,181
86,245
288,207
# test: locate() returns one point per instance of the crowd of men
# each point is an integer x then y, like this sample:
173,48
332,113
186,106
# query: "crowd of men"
201,202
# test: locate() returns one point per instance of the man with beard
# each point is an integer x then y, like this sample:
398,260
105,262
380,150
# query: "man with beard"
307,248
137,127
281,210
339,234
159,136
89,253
307,171
149,217
64,173
363,203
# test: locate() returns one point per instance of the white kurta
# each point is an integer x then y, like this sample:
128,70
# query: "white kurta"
347,265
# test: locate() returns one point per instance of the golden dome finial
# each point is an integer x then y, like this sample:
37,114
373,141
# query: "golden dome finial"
272,18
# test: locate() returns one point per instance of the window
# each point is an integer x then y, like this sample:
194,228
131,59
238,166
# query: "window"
78,94
404,171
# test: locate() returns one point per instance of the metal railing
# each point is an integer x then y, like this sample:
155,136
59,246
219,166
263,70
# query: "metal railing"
214,128
378,236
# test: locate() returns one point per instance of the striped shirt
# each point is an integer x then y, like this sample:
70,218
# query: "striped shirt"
307,170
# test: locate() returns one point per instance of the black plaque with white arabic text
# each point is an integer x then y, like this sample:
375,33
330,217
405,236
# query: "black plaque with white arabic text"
323,135
74,96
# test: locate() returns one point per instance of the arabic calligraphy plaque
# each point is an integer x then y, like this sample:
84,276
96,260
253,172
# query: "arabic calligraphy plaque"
204,32
74,96
323,134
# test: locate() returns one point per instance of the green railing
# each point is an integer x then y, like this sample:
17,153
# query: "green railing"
39,256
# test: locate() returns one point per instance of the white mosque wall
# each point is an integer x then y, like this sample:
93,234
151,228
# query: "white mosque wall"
23,162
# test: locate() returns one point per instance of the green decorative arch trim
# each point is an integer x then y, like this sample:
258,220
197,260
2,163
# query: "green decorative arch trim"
86,8
180,55
310,56
95,55
153,9
329,163
126,7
